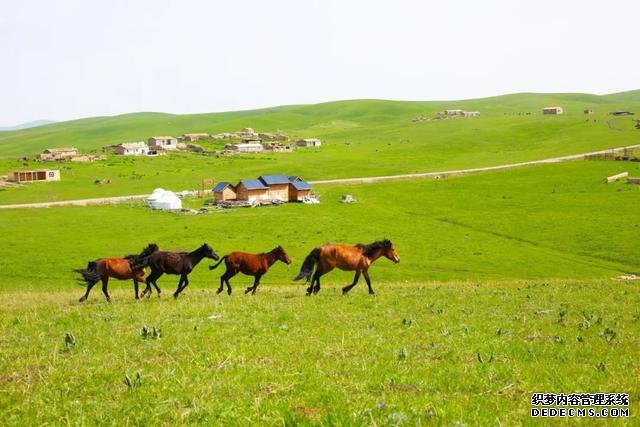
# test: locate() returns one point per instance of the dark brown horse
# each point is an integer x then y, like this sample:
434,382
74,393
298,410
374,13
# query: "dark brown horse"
255,265
181,263
129,267
345,257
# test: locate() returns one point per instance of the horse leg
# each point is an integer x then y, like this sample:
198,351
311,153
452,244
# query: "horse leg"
86,295
366,277
355,282
181,285
105,282
135,287
256,282
155,285
316,288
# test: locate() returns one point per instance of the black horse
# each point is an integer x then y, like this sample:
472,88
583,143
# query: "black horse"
181,263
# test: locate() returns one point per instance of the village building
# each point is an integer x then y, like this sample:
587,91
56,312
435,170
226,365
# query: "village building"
471,113
252,190
193,137
34,175
309,142
277,147
278,186
298,189
163,143
588,111
247,133
52,154
253,147
132,149
224,191
453,112
552,110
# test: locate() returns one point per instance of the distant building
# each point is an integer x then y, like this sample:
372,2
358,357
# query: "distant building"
453,112
471,113
163,143
278,185
224,191
309,142
132,149
58,154
588,111
277,147
34,175
552,110
192,137
621,113
252,190
252,147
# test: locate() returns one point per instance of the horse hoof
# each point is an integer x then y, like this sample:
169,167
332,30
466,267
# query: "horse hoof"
371,293
218,291
83,299
175,296
345,291
229,292
308,294
247,290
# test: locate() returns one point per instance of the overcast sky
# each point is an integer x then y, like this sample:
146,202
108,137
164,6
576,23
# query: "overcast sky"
68,59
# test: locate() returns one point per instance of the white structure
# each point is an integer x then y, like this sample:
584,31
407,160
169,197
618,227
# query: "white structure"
163,143
164,200
132,149
252,147
309,142
552,110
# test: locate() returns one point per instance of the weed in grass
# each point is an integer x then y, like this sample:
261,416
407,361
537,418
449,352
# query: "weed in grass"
150,332
608,334
134,383
69,341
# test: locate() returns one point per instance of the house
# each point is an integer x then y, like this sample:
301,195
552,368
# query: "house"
298,189
278,185
254,147
192,137
224,191
252,190
588,111
552,110
453,113
309,142
163,143
132,149
58,154
247,133
276,147
471,113
34,175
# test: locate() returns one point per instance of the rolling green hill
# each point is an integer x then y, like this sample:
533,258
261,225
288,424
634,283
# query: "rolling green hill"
360,138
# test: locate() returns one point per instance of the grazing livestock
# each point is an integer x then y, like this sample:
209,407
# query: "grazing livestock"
255,265
346,257
181,263
129,267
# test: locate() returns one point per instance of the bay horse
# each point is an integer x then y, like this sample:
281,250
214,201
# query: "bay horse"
346,257
181,263
129,267
255,265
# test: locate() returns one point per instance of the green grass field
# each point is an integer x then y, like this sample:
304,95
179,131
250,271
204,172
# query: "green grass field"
508,281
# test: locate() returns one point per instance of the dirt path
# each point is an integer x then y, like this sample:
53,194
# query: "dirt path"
362,180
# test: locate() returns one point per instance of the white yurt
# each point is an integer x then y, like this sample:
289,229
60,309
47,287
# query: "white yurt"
164,200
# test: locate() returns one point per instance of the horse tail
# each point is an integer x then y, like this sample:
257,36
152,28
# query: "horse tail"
307,266
137,262
91,274
211,267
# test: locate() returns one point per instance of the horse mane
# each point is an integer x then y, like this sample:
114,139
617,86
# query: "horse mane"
371,248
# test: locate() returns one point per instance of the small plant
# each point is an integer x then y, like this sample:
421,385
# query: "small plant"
132,383
69,340
403,354
608,334
601,367
407,322
150,332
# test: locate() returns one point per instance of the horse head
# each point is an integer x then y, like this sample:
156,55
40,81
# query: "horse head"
389,251
281,255
209,252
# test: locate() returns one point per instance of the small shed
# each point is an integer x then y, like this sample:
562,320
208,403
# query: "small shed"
588,111
132,149
552,110
224,191
252,190
163,143
254,147
40,175
309,142
192,137
298,190
278,185
58,154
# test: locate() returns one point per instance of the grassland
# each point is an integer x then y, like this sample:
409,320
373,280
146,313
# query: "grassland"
360,138
504,289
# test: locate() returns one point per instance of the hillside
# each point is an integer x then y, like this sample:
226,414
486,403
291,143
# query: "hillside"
360,138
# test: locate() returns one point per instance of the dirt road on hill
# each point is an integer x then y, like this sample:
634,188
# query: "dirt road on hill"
362,180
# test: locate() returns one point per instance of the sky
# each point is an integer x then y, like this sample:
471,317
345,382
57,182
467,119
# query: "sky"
68,59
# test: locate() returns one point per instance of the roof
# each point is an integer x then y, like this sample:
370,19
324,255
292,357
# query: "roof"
274,179
221,186
294,178
301,185
130,145
196,134
60,150
163,137
253,184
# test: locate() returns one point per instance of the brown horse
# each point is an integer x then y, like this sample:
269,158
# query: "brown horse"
345,257
249,264
129,267
181,263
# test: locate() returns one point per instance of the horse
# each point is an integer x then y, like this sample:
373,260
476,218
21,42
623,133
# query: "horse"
181,263
346,257
255,265
129,267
